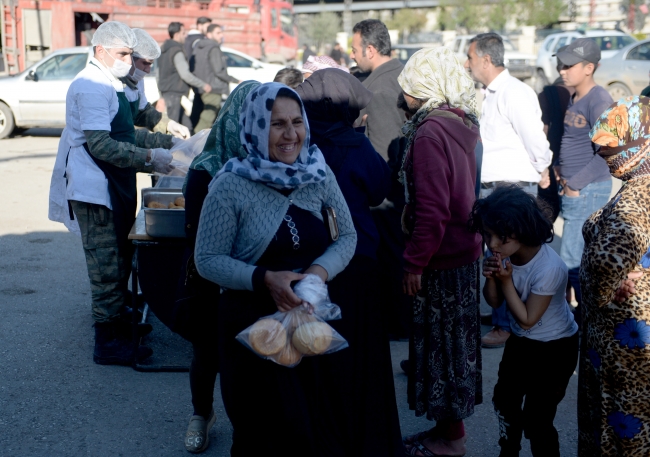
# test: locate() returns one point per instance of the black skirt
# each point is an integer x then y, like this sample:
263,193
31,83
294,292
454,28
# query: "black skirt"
333,405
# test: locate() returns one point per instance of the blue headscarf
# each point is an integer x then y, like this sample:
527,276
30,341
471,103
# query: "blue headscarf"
255,124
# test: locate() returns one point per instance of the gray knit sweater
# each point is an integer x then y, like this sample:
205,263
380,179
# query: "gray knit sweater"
240,217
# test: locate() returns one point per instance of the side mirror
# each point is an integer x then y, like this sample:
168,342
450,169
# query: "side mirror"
256,66
31,76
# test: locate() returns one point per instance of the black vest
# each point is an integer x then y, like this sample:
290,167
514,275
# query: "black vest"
168,78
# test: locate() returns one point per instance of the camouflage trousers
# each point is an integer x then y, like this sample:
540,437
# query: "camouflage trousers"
109,267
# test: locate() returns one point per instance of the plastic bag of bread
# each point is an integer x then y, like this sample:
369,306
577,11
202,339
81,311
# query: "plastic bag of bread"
286,338
184,151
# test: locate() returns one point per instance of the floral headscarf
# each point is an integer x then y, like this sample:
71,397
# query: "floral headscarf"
223,141
437,75
255,124
623,132
315,63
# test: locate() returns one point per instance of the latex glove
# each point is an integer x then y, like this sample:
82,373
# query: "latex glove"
161,160
178,130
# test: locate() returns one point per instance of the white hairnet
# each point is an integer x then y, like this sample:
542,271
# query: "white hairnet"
147,48
114,34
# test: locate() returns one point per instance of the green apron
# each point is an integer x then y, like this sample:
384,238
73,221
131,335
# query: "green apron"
121,181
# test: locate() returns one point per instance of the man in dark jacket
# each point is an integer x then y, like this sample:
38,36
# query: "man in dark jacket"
371,50
210,65
174,76
194,36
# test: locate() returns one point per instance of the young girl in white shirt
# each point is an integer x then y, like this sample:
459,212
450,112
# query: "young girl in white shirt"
541,354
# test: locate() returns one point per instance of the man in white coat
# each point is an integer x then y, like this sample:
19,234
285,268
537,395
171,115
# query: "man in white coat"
93,188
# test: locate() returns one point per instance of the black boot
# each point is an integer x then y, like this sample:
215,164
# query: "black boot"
125,329
111,348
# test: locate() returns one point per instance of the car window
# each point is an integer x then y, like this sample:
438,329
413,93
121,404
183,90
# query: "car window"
61,67
641,52
286,21
561,42
549,43
274,18
608,43
234,60
508,46
466,47
457,45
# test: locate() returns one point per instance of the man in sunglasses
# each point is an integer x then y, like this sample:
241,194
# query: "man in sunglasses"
583,176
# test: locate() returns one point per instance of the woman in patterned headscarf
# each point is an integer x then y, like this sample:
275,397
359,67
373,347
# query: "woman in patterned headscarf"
614,380
441,268
195,317
261,229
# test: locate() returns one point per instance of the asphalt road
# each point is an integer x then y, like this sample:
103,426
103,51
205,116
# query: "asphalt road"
54,401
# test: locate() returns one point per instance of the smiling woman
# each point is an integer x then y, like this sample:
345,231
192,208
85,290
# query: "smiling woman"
266,210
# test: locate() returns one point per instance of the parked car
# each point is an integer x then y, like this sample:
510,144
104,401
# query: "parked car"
244,67
36,97
627,72
610,42
403,52
520,65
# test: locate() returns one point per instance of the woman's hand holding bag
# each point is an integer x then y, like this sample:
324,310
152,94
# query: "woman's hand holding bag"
287,337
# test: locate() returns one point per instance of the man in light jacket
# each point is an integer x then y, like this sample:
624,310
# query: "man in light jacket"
210,66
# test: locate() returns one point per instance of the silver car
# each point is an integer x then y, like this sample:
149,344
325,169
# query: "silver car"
36,97
626,73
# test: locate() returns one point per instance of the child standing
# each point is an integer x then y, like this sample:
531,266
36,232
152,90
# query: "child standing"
541,354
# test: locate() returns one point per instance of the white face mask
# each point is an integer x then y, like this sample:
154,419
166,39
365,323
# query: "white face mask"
119,69
138,75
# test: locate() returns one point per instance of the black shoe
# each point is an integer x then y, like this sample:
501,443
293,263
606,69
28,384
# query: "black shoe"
111,348
405,366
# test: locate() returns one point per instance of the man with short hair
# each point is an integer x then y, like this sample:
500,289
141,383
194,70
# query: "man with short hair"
210,65
371,51
174,76
515,148
194,36
583,175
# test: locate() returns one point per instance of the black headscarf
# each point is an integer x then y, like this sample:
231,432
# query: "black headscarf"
333,100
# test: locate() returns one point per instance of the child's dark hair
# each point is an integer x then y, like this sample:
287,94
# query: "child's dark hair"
510,212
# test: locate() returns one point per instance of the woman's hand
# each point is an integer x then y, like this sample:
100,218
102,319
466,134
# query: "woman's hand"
318,271
627,287
411,283
279,284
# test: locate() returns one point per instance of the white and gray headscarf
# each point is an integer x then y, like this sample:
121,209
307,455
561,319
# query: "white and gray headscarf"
255,123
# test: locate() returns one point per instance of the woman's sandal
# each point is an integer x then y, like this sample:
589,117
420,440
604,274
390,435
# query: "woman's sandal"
431,433
417,446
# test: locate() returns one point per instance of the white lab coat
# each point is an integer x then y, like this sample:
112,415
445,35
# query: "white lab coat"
91,104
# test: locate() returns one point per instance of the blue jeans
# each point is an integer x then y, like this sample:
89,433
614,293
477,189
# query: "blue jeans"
500,315
575,211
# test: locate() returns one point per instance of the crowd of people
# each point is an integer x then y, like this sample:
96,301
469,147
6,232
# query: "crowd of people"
429,193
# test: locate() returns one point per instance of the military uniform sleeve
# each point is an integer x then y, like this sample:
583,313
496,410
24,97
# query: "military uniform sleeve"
148,140
117,153
148,117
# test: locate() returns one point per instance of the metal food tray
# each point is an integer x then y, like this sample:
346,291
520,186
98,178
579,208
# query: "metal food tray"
160,222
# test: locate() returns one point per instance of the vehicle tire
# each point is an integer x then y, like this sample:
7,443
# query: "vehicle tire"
6,121
618,91
540,81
